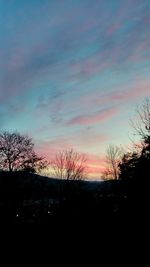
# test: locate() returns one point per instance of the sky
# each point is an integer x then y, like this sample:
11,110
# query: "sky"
72,72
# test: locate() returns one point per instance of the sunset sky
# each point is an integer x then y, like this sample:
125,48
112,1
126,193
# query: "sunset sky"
72,72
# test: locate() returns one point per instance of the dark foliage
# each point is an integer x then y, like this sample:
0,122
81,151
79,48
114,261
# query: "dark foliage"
134,165
17,152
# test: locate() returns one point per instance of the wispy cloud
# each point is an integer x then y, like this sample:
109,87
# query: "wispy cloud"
138,90
94,118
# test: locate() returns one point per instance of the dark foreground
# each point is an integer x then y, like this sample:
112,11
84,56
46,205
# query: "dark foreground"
86,224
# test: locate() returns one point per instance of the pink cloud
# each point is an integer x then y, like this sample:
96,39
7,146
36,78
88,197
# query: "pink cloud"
79,142
91,65
113,28
125,93
91,139
94,118
95,165
94,159
139,89
50,148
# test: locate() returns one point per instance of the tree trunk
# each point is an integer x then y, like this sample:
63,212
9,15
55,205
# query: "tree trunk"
9,166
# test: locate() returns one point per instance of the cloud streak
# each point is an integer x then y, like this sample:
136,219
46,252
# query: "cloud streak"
94,118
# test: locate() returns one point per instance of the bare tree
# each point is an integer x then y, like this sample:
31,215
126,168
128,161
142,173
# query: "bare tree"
141,123
17,152
113,158
69,165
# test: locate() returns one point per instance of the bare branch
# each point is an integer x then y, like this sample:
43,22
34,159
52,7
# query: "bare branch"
69,165
141,124
17,152
113,158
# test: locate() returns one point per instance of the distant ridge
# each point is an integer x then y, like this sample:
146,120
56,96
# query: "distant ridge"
34,184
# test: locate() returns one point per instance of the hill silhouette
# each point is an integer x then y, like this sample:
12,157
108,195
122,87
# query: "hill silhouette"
90,211
31,198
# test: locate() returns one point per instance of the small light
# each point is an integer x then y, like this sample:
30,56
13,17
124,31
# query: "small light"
48,212
17,215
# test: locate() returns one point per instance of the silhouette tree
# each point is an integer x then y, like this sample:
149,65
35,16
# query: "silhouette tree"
113,157
17,152
69,165
42,167
128,165
136,165
141,122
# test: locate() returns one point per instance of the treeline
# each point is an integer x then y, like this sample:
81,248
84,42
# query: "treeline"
17,153
135,163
